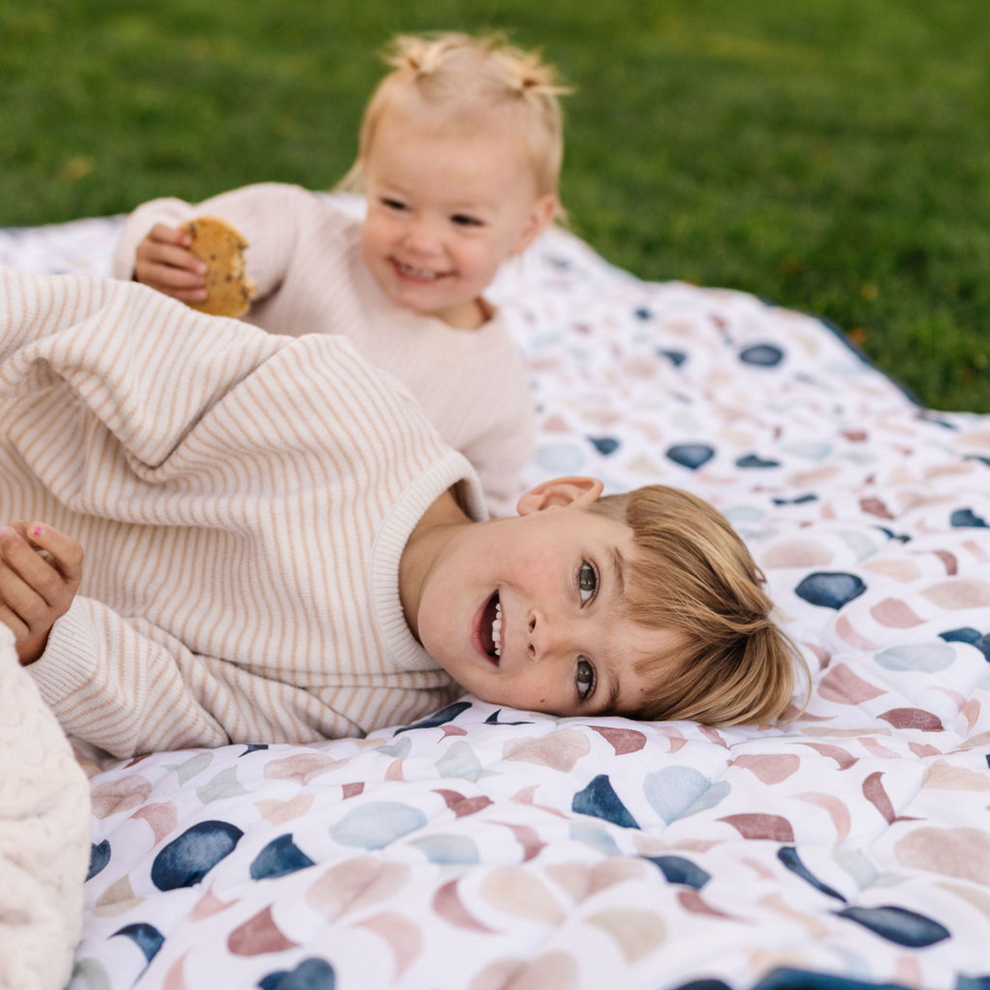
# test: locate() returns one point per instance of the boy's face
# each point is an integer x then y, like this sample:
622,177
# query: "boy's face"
525,612
444,211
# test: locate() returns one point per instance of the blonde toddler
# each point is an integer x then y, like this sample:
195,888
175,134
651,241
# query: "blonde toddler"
459,157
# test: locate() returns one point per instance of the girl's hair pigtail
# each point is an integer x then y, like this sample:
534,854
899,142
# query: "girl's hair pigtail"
533,77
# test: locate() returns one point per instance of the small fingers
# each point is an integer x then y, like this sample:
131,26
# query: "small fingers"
171,256
40,571
178,282
52,576
171,281
23,607
169,235
13,622
66,552
164,262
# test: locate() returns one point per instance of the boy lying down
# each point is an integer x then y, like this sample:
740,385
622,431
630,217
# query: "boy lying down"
279,547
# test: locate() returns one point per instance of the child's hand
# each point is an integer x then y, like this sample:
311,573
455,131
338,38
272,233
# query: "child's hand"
164,261
40,571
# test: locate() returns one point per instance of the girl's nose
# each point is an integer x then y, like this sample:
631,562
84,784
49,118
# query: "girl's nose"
421,237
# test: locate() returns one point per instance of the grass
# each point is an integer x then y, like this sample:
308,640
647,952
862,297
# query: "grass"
831,155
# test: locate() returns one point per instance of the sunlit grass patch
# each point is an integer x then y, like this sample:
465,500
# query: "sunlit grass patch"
832,155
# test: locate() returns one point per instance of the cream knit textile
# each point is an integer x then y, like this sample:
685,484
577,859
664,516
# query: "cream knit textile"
44,836
311,279
242,499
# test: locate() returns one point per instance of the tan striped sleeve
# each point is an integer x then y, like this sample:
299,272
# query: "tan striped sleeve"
110,685
206,437
130,688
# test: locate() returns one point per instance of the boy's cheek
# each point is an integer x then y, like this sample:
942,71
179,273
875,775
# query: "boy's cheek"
525,694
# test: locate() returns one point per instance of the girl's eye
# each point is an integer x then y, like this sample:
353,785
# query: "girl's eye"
584,678
587,582
393,204
463,220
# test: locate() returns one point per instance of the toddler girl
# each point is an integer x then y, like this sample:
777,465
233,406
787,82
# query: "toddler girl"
459,157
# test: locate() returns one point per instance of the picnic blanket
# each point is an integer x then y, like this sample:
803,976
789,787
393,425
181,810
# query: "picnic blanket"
495,849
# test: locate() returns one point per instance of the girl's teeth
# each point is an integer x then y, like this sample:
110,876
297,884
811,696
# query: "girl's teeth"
497,629
416,272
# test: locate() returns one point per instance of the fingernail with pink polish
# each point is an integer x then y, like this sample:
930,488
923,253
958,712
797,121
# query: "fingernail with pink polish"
37,531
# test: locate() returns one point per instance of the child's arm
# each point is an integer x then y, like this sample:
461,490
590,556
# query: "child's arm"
120,349
153,250
130,687
159,397
36,588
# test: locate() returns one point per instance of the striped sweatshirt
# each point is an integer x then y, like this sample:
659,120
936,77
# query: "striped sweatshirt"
305,258
242,500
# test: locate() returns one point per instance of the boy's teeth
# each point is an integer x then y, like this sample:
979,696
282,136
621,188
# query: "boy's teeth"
497,629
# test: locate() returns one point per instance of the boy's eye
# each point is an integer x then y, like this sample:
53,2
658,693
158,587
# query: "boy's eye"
584,678
463,220
587,582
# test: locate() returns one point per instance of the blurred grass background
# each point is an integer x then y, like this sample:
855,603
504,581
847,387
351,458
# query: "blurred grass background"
830,155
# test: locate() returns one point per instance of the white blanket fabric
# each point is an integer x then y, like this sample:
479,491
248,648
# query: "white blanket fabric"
44,836
492,848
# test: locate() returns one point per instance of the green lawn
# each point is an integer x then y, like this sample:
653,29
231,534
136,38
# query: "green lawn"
830,155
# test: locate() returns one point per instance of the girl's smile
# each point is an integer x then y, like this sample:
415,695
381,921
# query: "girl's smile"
446,208
411,274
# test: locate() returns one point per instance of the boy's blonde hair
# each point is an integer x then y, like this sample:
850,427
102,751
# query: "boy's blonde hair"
458,77
693,573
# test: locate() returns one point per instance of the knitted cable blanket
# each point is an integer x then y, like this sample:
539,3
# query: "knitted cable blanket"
44,835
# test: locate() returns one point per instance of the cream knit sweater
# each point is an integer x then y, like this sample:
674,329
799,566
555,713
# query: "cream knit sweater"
44,836
304,256
242,500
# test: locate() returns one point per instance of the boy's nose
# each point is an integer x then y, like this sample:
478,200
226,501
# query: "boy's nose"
543,641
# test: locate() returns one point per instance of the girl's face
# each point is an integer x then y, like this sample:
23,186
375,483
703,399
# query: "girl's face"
445,210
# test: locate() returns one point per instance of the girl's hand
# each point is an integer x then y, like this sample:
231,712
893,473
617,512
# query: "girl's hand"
40,571
164,261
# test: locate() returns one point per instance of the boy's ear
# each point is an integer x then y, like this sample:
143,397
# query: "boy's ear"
558,493
540,217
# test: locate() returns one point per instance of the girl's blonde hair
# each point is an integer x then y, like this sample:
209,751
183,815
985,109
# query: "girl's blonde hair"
693,573
458,77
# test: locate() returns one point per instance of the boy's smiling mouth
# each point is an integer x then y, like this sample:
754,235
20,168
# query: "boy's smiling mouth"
490,629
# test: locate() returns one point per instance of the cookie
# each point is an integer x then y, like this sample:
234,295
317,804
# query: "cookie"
221,246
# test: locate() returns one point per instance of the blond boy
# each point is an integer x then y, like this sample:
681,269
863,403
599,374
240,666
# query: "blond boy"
280,547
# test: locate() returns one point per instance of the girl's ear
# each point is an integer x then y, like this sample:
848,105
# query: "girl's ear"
557,493
540,217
